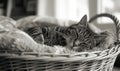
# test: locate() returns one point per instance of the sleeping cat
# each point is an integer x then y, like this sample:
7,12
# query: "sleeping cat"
78,37
88,39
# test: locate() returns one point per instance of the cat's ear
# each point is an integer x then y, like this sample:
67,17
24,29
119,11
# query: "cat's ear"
83,21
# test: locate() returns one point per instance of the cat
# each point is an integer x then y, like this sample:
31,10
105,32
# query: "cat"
88,39
78,37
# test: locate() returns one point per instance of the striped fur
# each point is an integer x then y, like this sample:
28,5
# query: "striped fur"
85,39
53,35
88,39
79,37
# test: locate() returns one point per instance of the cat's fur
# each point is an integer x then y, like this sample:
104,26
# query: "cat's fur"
88,39
53,34
30,22
78,37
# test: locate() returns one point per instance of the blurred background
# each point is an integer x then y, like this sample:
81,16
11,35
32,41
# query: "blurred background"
64,9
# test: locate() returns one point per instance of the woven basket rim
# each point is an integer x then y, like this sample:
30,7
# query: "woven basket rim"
81,56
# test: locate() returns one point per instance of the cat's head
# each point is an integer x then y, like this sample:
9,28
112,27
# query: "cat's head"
74,32
82,37
85,39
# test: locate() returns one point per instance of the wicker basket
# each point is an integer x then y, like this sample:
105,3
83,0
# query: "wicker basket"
82,61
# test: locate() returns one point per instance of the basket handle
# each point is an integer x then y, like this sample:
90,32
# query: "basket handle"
115,20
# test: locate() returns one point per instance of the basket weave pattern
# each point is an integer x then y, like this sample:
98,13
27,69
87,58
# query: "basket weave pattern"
82,61
95,61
